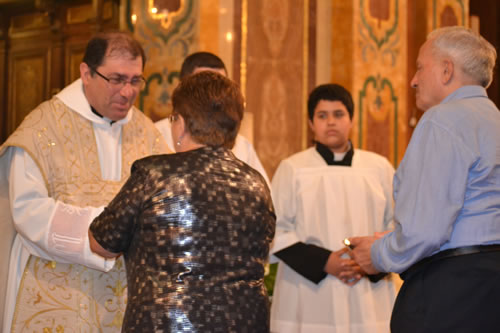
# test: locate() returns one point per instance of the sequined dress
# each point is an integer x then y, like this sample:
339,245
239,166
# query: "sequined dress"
195,230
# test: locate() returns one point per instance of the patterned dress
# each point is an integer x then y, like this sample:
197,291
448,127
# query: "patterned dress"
195,230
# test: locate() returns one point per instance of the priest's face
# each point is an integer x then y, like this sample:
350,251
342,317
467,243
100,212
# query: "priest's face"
114,86
331,125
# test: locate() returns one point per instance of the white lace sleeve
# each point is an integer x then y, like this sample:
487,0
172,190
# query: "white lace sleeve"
48,228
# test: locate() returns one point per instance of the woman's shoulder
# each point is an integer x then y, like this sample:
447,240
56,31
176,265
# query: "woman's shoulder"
155,161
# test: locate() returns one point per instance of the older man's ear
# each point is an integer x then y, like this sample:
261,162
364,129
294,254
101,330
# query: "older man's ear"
448,72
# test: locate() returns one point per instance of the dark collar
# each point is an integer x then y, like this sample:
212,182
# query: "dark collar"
329,157
94,111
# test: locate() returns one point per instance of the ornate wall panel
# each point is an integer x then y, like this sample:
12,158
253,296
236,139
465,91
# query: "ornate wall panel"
209,26
342,61
3,84
103,13
73,57
443,13
178,28
425,16
29,58
43,43
276,76
167,36
379,83
28,77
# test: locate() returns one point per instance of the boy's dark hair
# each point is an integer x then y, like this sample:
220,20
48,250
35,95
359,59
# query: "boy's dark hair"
201,59
329,92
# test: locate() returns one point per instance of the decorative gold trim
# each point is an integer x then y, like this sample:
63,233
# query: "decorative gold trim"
165,18
33,157
209,26
244,31
305,73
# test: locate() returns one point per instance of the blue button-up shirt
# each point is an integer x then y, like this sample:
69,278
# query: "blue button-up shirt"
447,188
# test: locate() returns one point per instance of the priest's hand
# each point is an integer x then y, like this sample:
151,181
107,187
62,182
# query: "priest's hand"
346,270
361,252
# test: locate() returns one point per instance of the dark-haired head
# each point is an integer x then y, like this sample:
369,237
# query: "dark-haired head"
204,60
112,44
330,92
211,106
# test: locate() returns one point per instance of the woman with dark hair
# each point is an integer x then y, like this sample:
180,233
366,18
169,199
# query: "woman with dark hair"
194,227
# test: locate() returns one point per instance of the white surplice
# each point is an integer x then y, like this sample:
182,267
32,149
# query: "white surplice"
36,215
321,205
242,149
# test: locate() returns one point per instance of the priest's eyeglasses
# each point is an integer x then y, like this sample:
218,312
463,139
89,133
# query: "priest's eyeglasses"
118,82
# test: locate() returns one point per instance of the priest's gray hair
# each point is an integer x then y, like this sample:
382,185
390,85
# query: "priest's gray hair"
473,54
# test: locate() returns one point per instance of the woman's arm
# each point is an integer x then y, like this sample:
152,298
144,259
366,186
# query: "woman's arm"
98,249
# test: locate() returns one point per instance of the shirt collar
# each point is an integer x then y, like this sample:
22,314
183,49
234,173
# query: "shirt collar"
73,97
329,156
466,92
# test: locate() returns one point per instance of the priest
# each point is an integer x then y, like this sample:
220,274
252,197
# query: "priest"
66,160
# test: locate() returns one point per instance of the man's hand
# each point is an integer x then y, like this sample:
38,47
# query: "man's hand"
346,270
361,252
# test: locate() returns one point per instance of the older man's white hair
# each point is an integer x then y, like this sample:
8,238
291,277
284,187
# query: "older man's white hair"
470,52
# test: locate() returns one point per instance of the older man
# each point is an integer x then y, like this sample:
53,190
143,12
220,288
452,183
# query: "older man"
66,160
446,241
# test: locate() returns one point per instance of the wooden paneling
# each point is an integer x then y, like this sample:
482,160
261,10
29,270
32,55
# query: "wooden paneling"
29,65
41,47
28,83
3,100
74,52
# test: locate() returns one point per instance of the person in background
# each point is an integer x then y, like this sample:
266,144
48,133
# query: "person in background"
194,227
322,195
67,159
205,61
446,241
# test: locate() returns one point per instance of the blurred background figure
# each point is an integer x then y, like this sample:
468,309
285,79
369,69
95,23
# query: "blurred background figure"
205,61
194,227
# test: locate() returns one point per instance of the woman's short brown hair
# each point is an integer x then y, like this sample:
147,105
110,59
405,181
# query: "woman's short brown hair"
212,108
